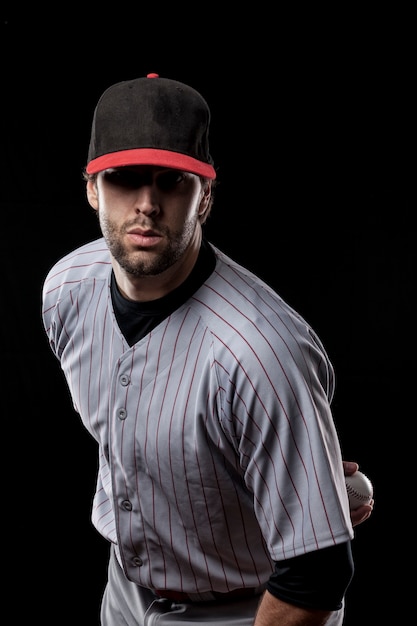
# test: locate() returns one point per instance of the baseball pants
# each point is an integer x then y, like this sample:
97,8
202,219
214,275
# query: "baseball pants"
127,604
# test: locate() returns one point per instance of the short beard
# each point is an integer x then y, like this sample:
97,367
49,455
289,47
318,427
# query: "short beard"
134,263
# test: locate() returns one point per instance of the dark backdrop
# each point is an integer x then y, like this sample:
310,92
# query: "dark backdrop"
313,120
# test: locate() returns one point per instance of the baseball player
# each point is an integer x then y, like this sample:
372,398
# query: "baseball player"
220,480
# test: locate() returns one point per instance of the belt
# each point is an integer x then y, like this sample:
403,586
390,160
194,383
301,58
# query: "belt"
210,596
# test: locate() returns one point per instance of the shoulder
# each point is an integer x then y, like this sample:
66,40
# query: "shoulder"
92,258
249,318
89,261
233,292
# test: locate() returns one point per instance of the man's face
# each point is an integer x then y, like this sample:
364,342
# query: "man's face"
148,215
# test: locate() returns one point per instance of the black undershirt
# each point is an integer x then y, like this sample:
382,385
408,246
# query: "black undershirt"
317,580
314,580
137,319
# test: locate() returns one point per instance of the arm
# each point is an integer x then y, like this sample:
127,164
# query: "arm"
273,611
307,589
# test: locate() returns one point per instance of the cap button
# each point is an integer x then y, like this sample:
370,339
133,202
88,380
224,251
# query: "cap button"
152,75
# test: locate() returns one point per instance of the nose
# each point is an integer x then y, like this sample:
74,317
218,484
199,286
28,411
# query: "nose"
146,200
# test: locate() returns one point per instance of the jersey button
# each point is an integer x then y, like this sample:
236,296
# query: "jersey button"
127,505
137,561
122,414
124,380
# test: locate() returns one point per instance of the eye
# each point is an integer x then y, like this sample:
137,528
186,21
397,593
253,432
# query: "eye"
126,178
168,180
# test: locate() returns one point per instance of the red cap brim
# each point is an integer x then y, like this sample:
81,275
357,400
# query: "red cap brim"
151,156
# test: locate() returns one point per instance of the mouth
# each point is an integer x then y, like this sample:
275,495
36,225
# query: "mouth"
143,238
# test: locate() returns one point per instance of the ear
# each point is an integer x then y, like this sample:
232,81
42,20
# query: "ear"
92,196
205,199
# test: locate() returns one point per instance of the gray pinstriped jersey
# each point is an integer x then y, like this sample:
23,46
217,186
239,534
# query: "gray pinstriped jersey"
217,448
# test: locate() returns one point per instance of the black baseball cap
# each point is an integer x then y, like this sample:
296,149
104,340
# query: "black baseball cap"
151,121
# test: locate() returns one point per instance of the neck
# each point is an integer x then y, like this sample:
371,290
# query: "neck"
147,288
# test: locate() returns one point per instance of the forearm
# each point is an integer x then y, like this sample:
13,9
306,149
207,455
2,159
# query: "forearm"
273,611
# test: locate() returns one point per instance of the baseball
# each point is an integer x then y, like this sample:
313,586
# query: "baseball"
359,488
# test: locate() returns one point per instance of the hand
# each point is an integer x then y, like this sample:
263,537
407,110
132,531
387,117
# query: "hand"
362,513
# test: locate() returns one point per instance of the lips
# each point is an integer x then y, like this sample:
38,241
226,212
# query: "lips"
143,232
145,238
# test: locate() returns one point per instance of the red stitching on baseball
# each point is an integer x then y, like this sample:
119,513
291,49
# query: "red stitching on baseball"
353,492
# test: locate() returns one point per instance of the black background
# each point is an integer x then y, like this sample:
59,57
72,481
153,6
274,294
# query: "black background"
313,119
